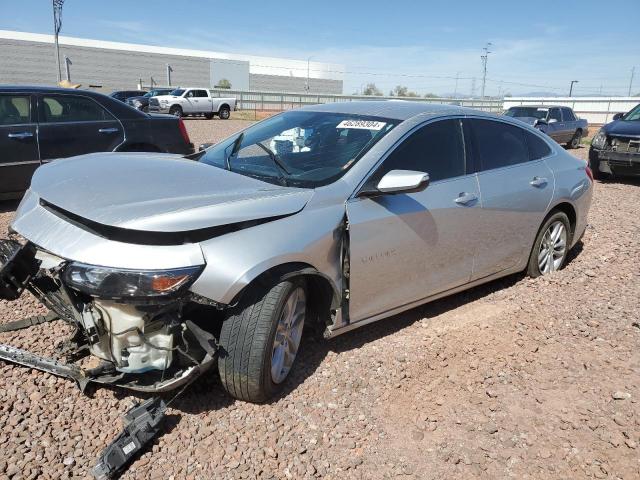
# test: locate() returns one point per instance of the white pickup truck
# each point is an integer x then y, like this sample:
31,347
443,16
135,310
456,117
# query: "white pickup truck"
192,101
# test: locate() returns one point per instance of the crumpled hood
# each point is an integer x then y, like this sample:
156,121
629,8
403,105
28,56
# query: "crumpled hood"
160,192
623,128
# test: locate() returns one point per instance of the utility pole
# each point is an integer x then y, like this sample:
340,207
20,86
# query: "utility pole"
308,86
484,58
571,87
57,26
633,71
455,90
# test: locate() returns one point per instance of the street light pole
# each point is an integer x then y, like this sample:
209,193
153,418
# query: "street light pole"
633,71
57,25
571,87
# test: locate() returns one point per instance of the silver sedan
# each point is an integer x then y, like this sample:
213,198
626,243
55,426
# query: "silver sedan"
338,215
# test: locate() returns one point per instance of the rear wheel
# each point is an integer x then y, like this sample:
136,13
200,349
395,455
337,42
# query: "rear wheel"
575,141
176,110
224,113
259,340
551,246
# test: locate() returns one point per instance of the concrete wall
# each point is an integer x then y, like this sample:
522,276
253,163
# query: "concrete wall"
277,83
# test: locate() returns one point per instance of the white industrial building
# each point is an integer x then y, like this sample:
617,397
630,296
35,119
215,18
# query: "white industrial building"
29,59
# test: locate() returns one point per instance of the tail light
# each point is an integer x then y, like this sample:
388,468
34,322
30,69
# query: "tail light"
183,131
589,172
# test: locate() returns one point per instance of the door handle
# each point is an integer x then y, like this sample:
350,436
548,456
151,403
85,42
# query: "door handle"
20,135
538,182
466,198
108,130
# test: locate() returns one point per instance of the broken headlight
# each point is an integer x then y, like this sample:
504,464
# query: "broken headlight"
599,140
105,282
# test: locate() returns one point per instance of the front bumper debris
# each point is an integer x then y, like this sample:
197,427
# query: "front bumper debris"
141,424
183,349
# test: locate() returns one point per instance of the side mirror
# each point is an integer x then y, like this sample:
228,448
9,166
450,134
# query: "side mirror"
618,116
204,146
552,120
541,121
403,181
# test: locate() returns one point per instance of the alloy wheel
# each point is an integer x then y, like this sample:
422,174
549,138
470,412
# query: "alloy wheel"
553,248
288,335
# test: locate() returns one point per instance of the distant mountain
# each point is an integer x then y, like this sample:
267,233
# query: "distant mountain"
538,94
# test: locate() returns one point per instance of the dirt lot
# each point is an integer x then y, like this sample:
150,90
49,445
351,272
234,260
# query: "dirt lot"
519,378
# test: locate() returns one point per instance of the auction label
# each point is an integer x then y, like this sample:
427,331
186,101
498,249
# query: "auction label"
361,124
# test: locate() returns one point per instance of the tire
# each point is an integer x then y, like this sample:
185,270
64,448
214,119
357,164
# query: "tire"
575,141
543,242
249,353
224,113
208,116
176,111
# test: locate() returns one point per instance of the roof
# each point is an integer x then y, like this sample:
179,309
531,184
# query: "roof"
394,109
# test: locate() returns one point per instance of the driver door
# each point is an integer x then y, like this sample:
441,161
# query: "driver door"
407,247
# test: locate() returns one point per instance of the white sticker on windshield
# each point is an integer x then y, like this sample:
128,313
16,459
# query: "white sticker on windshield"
361,124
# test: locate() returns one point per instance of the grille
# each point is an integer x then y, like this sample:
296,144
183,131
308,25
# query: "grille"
625,145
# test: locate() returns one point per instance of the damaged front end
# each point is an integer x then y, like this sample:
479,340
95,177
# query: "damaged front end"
132,328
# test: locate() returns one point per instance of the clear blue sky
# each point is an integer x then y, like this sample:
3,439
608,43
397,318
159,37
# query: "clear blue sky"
538,45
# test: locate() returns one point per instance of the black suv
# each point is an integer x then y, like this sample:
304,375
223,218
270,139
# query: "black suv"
122,95
615,149
38,124
141,102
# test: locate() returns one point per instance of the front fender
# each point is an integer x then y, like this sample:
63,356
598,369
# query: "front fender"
312,237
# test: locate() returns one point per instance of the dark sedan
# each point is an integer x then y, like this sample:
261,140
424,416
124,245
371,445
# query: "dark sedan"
615,149
141,102
123,95
39,124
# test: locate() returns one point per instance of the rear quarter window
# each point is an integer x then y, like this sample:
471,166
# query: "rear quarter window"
538,148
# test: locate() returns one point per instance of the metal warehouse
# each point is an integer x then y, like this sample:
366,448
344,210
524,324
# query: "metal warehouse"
28,58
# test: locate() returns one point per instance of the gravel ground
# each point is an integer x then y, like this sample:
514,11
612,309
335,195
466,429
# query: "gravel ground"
519,378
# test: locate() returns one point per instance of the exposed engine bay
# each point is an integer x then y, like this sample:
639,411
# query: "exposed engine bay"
134,329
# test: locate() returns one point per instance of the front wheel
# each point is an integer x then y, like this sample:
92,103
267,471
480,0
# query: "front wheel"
551,246
176,111
259,341
208,116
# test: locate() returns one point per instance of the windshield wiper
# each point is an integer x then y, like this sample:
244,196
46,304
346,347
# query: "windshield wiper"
277,162
234,150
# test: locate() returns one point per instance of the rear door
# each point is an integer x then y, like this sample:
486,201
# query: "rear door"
516,187
409,246
18,142
74,125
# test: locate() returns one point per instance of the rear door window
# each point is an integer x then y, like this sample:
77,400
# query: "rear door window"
201,93
499,144
15,109
538,148
71,108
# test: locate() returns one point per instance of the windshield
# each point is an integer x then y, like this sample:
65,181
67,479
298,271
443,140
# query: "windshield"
299,148
634,114
519,112
177,92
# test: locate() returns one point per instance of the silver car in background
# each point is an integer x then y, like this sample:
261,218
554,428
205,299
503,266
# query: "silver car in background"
339,214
